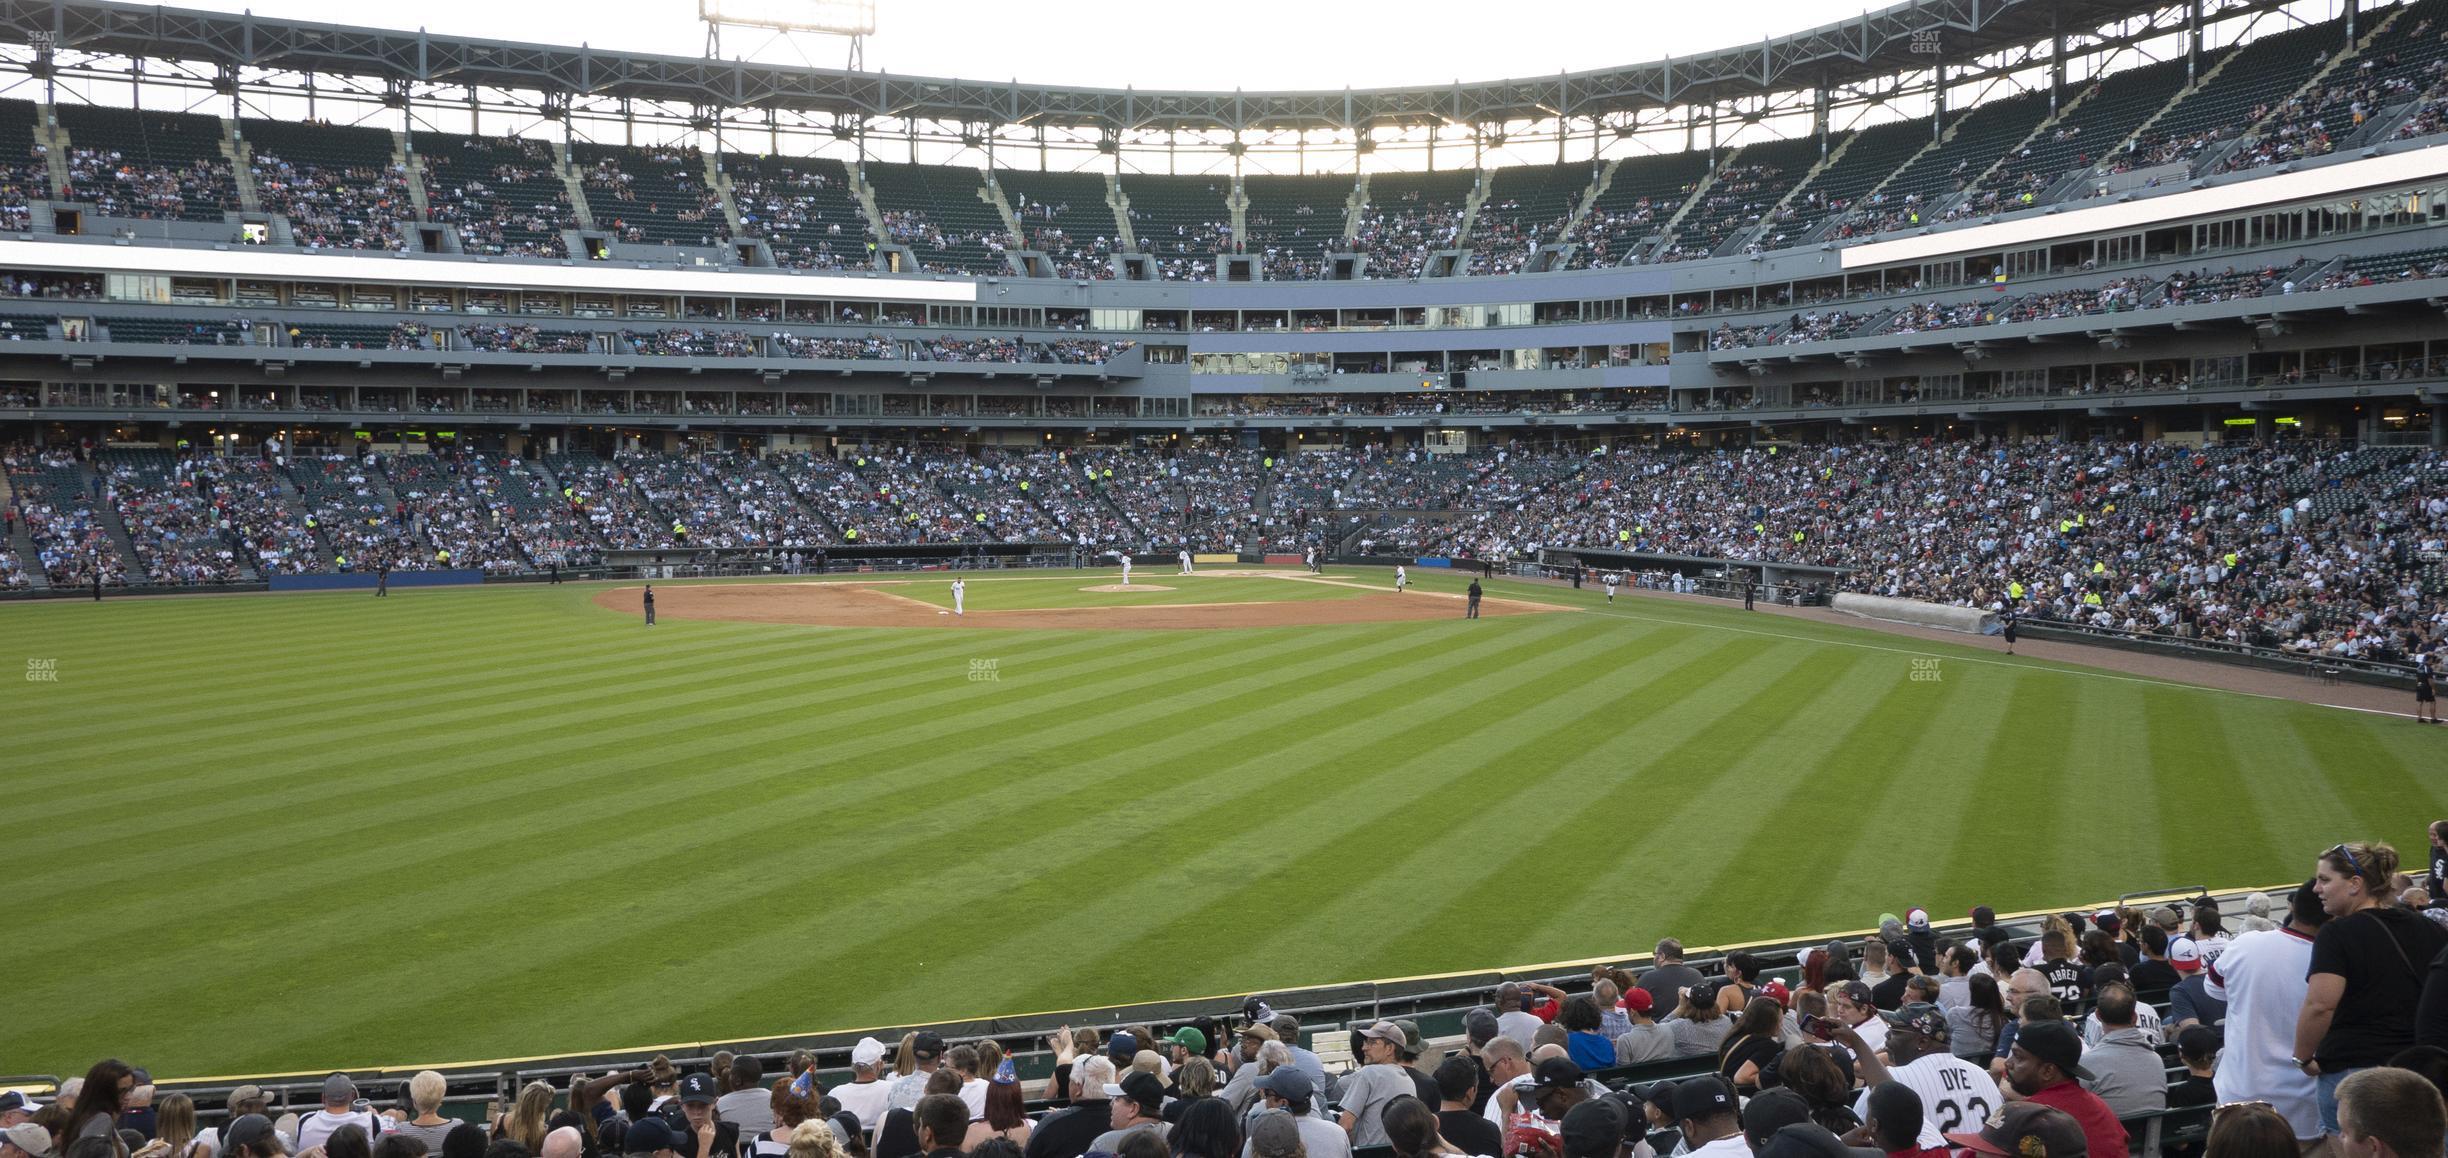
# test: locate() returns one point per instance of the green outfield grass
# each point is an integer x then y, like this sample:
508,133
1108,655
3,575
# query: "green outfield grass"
286,833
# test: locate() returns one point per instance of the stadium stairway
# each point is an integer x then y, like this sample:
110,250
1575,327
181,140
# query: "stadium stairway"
108,513
575,188
1119,202
412,165
1589,199
54,141
2211,159
242,173
1773,216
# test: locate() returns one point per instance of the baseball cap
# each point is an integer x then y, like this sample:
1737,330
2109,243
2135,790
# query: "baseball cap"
1413,1043
2058,1134
1188,1037
1638,1000
1706,1096
1144,1088
1480,1024
2184,955
236,1096
2056,1043
867,1052
1916,919
30,1138
17,1100
1774,988
1386,1031
1555,1073
1593,1129
649,1134
337,1089
1811,1140
1274,1134
1256,1009
1857,992
1771,1110
1122,1047
928,1043
1919,1017
245,1130
697,1088
1288,1083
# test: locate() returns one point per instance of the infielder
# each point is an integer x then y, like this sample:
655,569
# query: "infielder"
960,589
1402,579
1612,580
1185,560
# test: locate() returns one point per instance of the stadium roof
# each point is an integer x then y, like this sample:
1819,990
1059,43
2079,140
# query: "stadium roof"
1904,38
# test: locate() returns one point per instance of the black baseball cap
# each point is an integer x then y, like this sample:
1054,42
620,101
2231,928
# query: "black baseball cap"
649,1134
1771,1110
927,1043
1919,1017
1554,1074
2056,1043
1139,1086
697,1088
1703,1097
1593,1129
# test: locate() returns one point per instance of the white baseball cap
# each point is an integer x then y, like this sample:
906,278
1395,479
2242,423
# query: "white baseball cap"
867,1052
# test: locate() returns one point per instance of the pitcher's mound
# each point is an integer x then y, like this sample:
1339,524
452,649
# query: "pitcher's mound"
1127,587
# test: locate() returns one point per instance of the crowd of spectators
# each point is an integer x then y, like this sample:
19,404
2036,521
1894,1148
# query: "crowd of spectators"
337,207
1399,235
512,338
690,342
2309,547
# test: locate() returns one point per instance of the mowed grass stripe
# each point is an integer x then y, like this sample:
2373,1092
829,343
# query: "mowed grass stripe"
2180,731
1357,802
816,920
335,814
2026,756
308,723
1577,803
1701,754
1816,788
1924,795
2375,786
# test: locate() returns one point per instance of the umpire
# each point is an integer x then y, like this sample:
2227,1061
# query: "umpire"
1472,612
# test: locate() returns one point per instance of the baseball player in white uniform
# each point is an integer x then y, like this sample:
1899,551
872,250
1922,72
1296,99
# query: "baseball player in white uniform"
1125,568
1402,579
960,589
1185,560
1612,579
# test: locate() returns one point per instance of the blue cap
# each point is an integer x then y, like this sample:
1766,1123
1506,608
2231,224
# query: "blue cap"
647,1135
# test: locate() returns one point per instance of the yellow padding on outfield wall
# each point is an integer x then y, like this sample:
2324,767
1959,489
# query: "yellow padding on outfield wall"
1215,558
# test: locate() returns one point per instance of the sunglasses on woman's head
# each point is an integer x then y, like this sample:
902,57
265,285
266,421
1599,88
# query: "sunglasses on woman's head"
2347,854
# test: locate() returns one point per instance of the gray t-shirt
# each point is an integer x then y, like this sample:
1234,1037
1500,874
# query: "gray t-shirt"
1110,1142
1644,1043
430,1135
1365,1094
750,1110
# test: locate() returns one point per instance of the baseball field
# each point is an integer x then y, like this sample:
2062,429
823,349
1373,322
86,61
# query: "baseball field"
295,832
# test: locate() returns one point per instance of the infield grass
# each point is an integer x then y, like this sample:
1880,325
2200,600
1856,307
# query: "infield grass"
290,833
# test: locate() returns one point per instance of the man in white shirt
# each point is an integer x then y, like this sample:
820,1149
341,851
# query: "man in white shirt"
1850,1006
863,1095
1704,1107
339,1109
1955,1094
2263,978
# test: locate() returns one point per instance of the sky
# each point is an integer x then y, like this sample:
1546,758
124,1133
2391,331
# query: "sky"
1251,44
